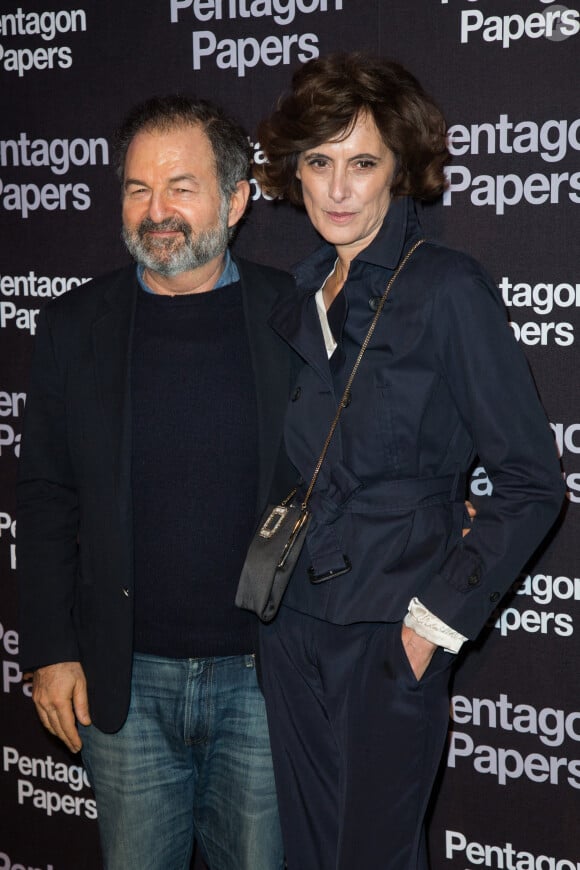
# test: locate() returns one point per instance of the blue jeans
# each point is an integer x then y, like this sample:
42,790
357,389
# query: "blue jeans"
191,761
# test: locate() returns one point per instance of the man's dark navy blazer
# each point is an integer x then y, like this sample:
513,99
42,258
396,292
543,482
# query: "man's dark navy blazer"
75,537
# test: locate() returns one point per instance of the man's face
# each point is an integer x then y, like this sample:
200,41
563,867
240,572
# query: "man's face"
175,218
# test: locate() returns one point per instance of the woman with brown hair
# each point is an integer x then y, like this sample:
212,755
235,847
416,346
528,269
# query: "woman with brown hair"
386,589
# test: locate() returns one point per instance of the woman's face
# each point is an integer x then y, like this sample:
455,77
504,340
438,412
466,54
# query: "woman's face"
346,187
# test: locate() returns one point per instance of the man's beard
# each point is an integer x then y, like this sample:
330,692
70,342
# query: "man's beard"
173,256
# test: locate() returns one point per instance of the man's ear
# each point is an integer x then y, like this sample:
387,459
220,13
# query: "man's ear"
238,202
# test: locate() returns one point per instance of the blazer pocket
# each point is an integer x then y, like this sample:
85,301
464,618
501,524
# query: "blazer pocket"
84,611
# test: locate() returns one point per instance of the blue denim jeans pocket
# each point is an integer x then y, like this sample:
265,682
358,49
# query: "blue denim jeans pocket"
191,761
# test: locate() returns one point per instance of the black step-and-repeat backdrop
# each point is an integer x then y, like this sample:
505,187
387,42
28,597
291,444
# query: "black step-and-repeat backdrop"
506,73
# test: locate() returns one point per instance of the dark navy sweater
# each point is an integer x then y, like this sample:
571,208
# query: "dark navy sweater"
194,472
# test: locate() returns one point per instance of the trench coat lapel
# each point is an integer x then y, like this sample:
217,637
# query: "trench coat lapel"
298,323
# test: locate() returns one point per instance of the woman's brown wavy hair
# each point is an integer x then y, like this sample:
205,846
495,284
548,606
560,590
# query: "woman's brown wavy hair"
327,96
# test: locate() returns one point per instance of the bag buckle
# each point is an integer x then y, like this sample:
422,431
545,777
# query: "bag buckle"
273,521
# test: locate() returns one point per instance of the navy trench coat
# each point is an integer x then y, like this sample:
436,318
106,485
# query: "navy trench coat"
442,383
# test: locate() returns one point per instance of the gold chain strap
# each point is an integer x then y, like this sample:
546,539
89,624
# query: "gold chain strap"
345,396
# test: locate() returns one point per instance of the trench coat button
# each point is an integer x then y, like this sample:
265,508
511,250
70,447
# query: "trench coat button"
125,591
473,580
374,302
296,394
494,597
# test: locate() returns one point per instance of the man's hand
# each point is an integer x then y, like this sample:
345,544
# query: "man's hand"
60,695
419,651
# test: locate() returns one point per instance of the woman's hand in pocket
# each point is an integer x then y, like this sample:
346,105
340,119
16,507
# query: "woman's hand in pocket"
419,651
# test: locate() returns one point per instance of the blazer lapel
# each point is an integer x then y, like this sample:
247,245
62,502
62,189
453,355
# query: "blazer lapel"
112,340
272,371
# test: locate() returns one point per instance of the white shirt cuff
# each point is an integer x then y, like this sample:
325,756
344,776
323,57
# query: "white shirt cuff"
429,626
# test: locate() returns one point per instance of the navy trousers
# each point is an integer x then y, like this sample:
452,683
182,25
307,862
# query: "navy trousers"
356,742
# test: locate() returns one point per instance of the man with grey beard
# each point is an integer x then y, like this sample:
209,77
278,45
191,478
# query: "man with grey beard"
152,440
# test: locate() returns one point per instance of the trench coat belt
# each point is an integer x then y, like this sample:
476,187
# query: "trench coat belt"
384,497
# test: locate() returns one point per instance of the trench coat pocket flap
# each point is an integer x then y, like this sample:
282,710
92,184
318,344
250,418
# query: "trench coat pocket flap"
391,535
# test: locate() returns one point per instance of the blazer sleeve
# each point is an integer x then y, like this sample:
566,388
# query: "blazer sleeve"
490,382
47,513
